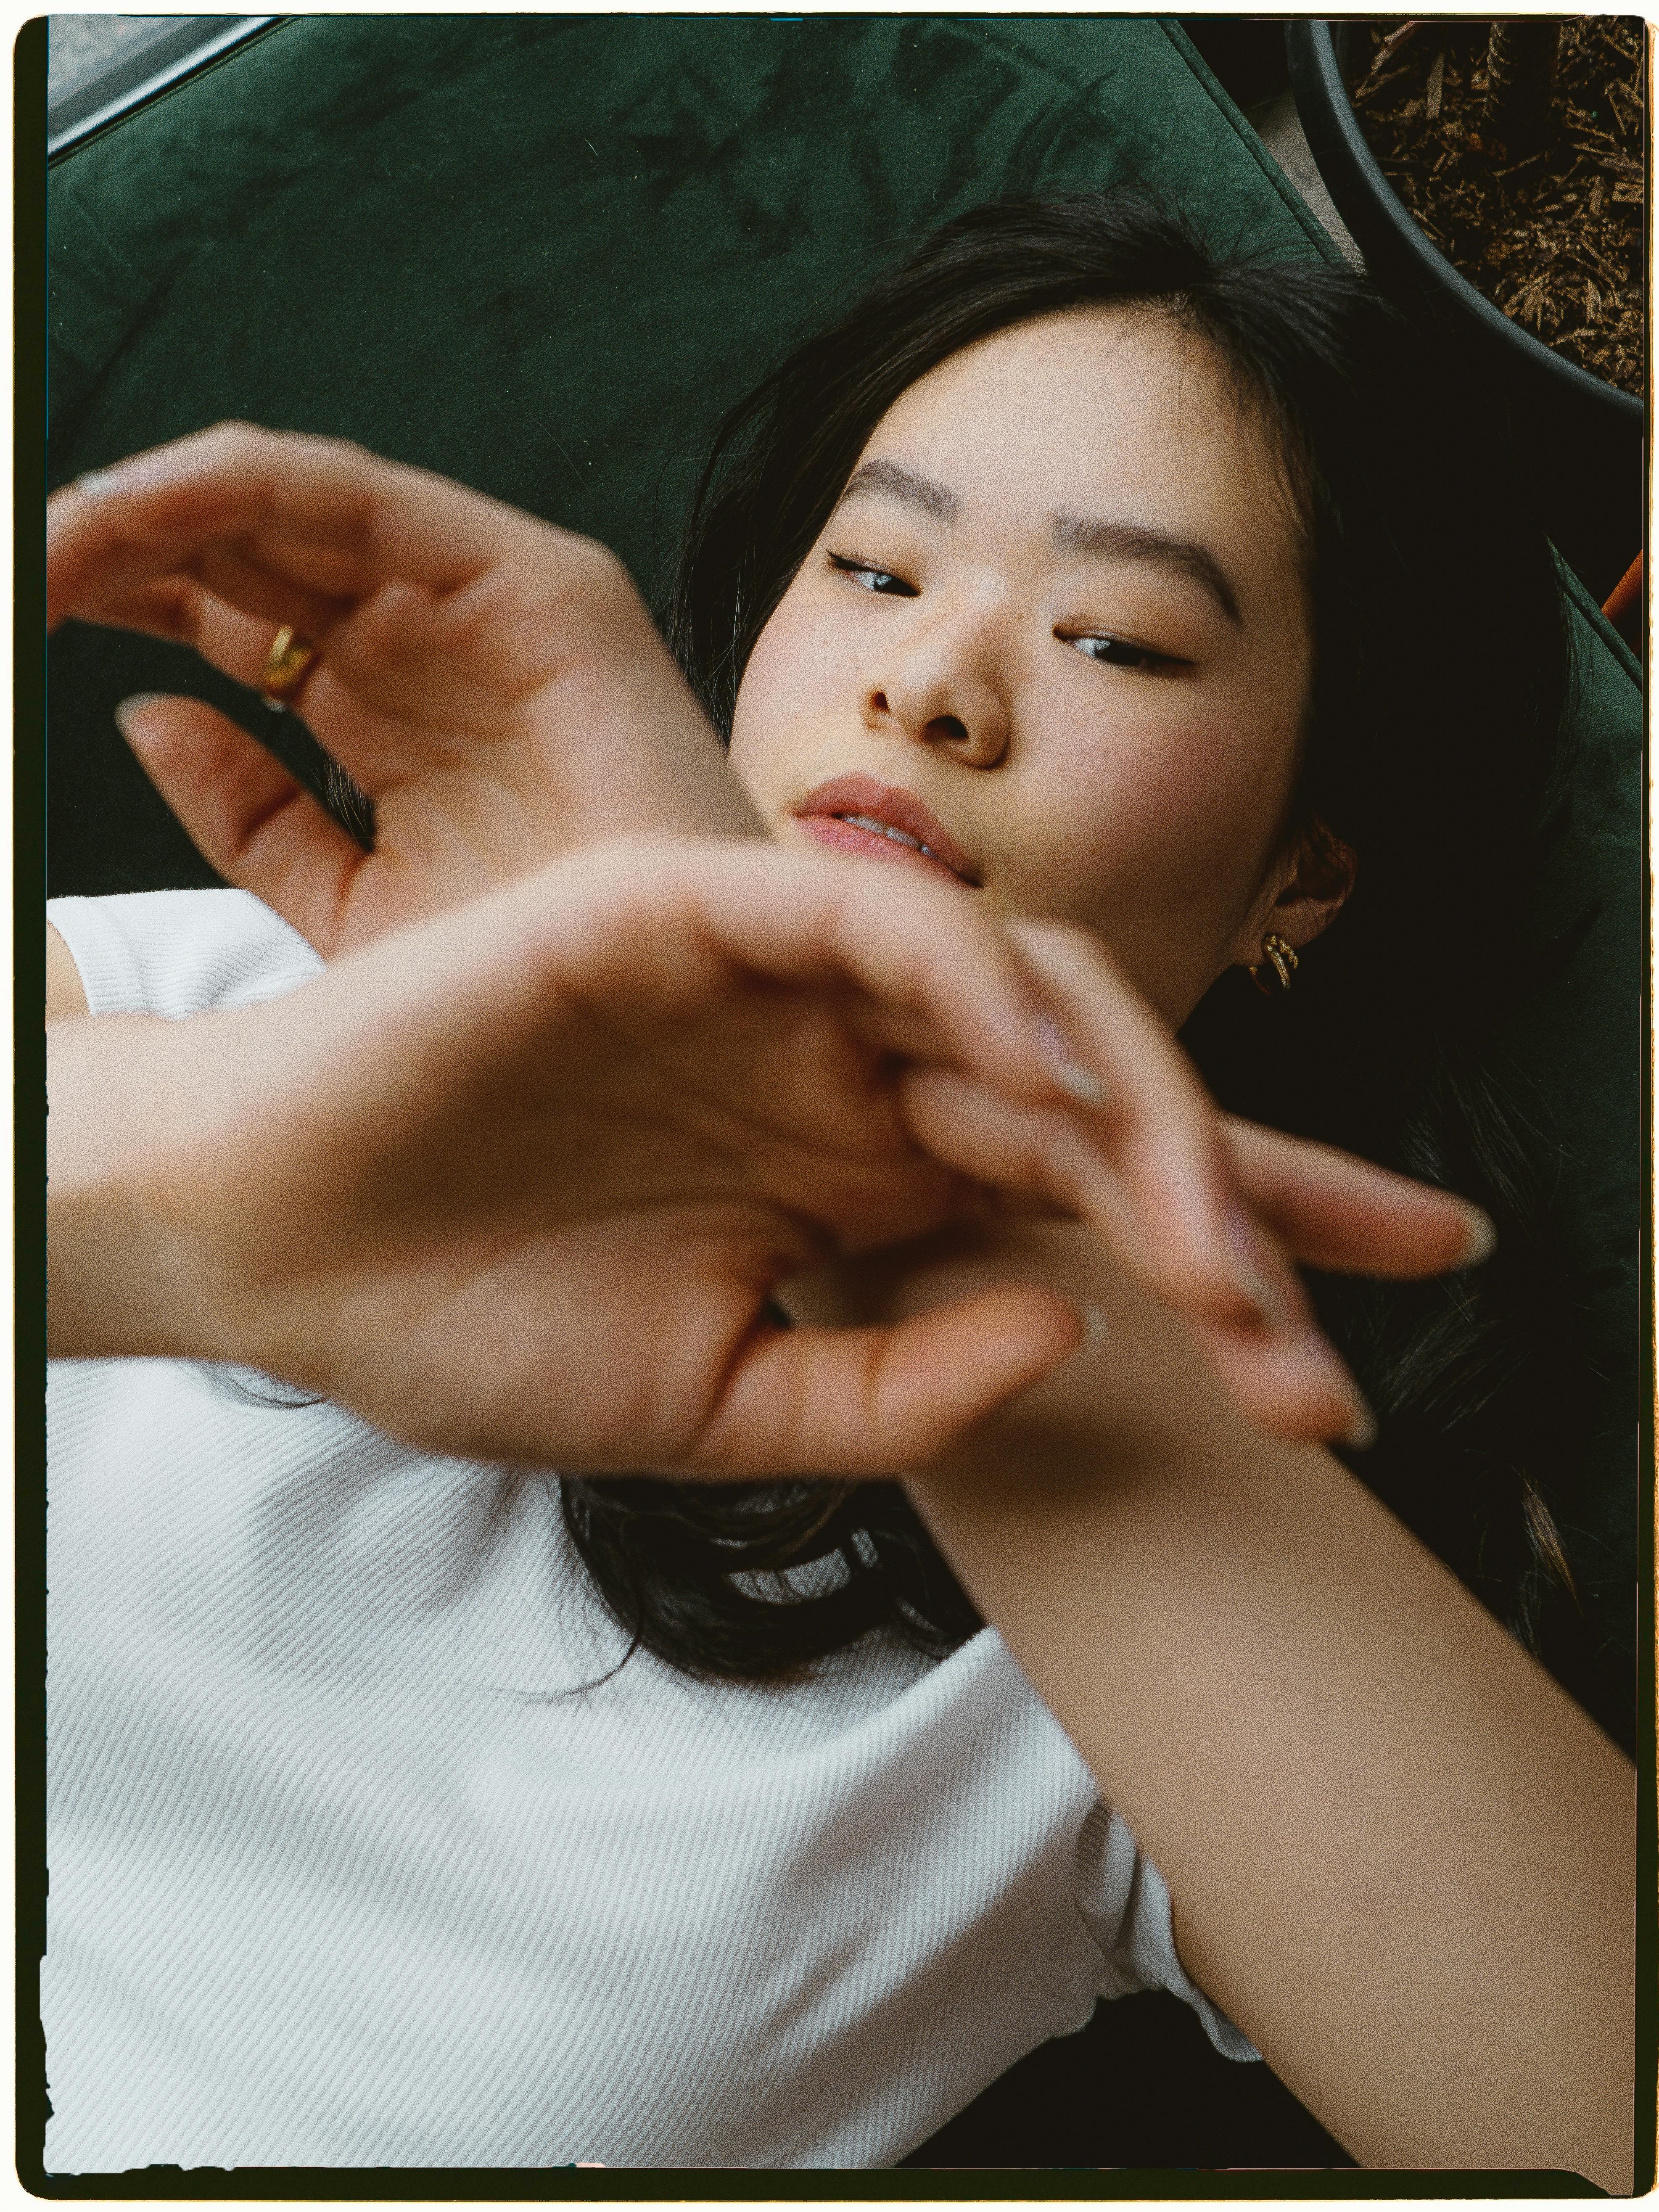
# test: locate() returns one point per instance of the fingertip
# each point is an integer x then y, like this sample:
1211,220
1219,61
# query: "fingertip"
1039,1329
1253,1275
1362,1427
1348,1420
1482,1238
1062,1062
130,709
979,1354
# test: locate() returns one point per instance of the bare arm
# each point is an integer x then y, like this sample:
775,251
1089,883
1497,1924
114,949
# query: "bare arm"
1401,1858
65,993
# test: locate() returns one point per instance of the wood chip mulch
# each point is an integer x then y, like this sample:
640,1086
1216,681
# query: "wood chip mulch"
1555,240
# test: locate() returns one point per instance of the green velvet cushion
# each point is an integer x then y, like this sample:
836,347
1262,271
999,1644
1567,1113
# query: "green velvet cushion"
1577,1050
544,253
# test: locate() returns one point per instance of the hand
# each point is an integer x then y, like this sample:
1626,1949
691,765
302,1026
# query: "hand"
493,683
305,1185
518,1182
1204,1208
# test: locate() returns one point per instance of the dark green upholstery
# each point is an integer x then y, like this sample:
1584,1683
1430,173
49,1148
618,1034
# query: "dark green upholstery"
1578,1049
544,254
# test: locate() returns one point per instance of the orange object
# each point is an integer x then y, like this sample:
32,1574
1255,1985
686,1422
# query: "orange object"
1626,592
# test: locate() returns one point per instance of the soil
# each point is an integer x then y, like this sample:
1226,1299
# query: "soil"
1555,240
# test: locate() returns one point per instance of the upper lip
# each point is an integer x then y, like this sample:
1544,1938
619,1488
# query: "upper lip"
897,810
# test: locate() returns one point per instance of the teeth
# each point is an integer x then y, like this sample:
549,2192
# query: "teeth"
885,830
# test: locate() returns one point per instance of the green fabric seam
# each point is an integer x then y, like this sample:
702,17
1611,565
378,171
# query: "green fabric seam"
1239,123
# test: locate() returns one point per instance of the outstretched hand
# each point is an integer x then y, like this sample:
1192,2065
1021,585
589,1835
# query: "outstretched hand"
493,683
518,1183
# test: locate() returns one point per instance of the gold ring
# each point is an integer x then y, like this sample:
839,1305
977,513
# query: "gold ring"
290,660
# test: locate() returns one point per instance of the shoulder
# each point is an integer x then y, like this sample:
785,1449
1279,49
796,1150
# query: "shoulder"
177,953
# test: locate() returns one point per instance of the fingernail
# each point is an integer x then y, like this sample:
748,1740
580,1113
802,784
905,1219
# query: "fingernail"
1362,1432
1483,1239
96,481
1094,1327
131,705
1253,1275
1076,1081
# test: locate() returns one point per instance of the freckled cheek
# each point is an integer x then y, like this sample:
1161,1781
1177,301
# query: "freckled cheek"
1151,808
1230,801
799,667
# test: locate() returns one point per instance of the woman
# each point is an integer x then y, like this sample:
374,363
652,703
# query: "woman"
1071,572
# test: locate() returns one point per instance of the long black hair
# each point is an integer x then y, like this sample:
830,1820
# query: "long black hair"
1433,750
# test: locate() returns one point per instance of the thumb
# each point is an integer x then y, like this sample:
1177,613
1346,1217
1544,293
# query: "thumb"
245,814
881,1400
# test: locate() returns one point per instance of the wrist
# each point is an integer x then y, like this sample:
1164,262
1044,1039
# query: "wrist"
1136,1392
122,1281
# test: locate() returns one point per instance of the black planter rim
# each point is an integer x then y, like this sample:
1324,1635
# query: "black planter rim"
1372,209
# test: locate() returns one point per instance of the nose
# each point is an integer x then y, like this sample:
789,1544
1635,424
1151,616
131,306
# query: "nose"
936,686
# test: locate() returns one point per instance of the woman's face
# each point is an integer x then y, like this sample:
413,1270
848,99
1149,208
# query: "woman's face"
1055,633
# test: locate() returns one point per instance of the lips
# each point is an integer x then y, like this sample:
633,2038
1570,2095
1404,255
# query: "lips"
857,814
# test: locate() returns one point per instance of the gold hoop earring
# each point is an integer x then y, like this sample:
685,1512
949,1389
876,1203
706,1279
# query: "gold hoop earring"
1280,954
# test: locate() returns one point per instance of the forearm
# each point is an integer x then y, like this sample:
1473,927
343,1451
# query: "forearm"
1401,1857
116,1279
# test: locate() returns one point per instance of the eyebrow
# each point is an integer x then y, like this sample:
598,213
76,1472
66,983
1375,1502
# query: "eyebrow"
893,480
1133,541
1071,533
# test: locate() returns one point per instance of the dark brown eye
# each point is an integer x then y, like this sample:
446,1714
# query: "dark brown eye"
871,576
1117,653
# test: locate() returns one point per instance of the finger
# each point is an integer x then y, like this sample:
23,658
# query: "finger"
649,928
1275,1385
246,816
1286,1377
110,541
1193,1239
434,606
1040,1151
1336,1212
872,1401
238,644
324,517
940,968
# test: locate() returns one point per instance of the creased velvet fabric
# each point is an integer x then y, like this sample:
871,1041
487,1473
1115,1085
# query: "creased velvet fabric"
543,254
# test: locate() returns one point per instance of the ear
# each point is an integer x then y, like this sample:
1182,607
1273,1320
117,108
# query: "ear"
1304,894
